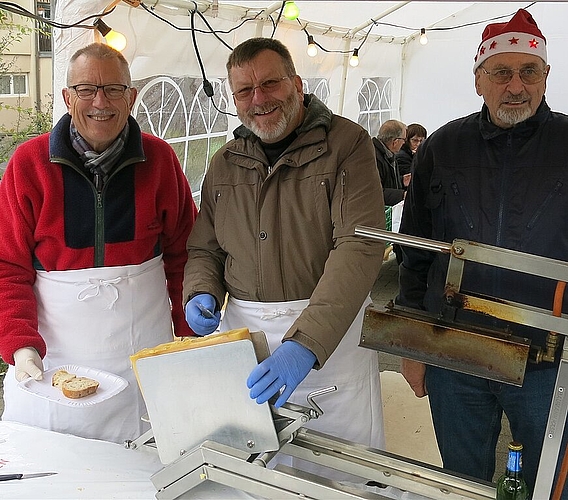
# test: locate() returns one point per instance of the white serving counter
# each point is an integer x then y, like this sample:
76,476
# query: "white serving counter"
86,468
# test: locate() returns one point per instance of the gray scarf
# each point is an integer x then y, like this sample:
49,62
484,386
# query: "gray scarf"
98,163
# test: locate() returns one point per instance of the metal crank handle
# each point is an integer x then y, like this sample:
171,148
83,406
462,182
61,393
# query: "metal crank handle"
315,394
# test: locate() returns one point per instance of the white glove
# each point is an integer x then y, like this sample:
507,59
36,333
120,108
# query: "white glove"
28,364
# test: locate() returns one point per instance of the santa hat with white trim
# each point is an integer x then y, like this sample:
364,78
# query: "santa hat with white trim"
520,34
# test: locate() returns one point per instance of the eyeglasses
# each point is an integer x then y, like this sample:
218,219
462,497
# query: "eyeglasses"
268,86
530,76
88,92
400,139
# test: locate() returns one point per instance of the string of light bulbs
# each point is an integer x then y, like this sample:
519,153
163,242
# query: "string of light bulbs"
312,49
288,10
423,38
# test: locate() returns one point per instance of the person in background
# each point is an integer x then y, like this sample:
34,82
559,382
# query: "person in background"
415,135
275,231
388,142
94,221
497,177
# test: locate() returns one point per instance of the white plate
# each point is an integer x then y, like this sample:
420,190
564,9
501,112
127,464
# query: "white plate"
109,385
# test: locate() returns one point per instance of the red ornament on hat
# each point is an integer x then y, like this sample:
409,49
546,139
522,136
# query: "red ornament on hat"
520,34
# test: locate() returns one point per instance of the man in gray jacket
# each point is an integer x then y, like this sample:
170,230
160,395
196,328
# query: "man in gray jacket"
279,205
388,142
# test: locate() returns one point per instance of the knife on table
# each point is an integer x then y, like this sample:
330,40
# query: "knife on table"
9,477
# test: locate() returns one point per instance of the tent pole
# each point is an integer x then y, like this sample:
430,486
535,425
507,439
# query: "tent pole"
341,102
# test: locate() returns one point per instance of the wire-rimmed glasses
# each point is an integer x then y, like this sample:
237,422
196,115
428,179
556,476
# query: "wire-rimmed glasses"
268,86
528,75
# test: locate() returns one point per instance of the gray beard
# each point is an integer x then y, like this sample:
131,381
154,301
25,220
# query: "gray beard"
290,109
514,116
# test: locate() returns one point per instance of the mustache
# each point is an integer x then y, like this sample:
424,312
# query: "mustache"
514,99
265,108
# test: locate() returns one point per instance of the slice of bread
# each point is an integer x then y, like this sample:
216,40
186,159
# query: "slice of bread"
59,377
79,387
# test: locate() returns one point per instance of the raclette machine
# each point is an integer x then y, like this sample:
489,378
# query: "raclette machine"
240,458
205,428
496,355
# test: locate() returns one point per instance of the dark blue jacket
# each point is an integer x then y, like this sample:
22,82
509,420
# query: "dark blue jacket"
502,187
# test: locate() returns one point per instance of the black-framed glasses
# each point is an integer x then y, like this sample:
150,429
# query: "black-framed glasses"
87,92
272,85
528,75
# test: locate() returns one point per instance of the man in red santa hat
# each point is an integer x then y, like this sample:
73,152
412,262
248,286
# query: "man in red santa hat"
499,177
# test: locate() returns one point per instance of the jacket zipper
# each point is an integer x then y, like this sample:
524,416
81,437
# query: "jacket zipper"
548,199
343,193
99,222
504,176
98,188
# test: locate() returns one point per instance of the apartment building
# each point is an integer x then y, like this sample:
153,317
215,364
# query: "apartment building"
28,80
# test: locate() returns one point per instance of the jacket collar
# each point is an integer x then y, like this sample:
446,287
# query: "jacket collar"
60,142
526,128
386,152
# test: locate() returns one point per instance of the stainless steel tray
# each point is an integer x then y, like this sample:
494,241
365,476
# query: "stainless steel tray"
201,394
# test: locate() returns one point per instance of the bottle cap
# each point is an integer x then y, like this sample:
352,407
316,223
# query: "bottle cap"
515,446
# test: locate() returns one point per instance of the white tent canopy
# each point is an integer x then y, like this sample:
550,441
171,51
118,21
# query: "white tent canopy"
397,76
431,74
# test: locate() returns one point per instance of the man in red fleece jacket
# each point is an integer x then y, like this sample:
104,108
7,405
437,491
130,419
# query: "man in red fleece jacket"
93,226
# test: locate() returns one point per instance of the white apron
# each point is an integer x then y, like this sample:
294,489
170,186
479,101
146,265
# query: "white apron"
354,412
95,318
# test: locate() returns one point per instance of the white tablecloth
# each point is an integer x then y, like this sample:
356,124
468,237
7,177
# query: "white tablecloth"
97,470
86,468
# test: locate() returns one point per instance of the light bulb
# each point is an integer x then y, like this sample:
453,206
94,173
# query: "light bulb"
116,40
291,11
312,47
423,37
354,61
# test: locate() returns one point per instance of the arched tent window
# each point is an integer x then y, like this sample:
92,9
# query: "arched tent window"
375,103
317,86
178,111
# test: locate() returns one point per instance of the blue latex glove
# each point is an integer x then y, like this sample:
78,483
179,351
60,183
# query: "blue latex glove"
288,365
200,314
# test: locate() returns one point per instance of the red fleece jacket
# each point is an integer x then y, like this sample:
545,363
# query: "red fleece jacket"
36,207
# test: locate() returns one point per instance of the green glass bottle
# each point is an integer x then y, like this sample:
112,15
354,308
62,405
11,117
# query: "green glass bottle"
511,485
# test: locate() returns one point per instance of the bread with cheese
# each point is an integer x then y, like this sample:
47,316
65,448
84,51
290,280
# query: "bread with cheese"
61,376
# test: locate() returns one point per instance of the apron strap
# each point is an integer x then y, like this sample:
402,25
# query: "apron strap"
93,289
